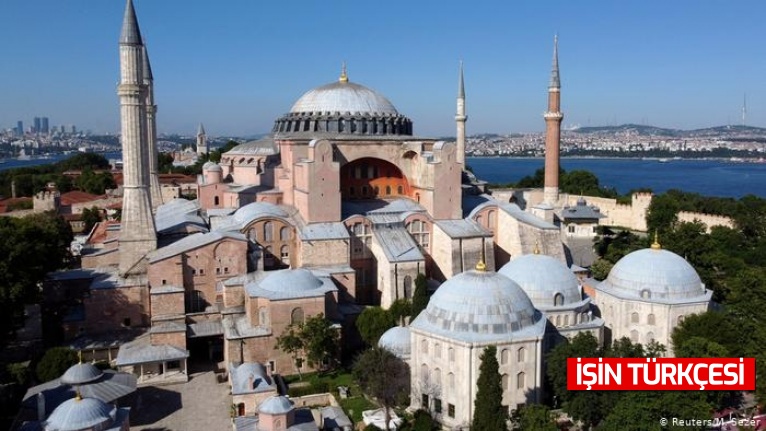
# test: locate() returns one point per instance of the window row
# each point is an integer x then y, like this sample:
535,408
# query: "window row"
635,318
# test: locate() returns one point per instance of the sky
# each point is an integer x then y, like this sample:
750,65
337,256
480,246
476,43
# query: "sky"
236,65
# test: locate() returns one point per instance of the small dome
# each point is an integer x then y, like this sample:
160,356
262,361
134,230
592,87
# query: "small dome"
212,167
291,280
256,210
479,305
543,278
81,373
80,414
343,96
397,340
654,274
276,405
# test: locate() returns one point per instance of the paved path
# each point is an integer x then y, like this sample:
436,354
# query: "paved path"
201,404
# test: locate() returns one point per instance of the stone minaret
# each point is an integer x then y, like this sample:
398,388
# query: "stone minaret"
202,147
460,118
553,119
155,194
137,236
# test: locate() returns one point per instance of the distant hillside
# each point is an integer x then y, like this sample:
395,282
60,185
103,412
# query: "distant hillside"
645,130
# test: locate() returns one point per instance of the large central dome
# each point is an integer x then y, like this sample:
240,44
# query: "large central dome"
344,97
343,108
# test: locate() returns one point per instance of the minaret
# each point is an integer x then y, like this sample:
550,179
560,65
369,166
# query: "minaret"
202,147
553,119
460,118
137,235
155,194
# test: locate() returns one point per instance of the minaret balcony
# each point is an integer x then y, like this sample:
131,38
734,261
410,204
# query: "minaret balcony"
553,116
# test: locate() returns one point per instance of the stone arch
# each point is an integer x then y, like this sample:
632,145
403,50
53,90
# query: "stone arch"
521,354
558,299
370,173
407,286
504,357
296,316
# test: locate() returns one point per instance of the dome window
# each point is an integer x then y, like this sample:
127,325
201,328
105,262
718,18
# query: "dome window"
558,299
645,294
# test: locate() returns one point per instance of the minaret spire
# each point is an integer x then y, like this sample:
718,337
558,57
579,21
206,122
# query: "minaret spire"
553,118
137,234
202,147
155,193
460,117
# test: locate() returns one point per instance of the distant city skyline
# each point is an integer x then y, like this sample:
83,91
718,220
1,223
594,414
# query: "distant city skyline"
237,68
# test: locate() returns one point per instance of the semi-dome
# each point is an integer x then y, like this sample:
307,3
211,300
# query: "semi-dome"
212,166
80,414
256,210
299,279
397,341
654,274
343,108
81,373
480,305
275,405
547,281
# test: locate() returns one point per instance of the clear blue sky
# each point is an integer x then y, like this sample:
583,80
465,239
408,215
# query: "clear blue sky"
236,65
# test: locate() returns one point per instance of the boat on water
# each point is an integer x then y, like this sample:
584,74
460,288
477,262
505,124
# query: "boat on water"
663,160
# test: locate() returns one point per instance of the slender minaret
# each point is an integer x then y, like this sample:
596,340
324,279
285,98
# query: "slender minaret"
553,119
202,147
155,194
460,118
744,110
137,235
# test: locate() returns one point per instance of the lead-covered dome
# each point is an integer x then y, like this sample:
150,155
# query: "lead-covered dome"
275,405
480,306
81,373
547,281
397,341
343,108
299,279
656,275
80,414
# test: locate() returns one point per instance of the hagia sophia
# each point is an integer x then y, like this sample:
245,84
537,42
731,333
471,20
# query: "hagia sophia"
341,207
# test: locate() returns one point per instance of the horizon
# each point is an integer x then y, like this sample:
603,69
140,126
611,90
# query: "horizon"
237,68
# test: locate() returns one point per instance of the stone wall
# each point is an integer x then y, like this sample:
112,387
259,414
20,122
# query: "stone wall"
708,220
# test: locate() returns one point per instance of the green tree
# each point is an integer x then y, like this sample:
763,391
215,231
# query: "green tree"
372,322
642,410
489,414
90,216
400,310
290,342
533,417
215,155
600,269
420,296
384,376
54,362
662,214
712,326
422,421
316,338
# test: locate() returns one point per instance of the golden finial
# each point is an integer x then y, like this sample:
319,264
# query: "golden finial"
78,396
481,266
79,356
656,244
537,248
343,74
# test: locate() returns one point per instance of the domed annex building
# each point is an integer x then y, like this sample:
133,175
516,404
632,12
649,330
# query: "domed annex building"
647,294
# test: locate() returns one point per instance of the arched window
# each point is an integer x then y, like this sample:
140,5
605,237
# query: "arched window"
521,354
646,294
424,346
424,372
680,319
491,219
437,350
438,377
504,382
420,233
451,380
650,337
566,320
408,287
268,231
521,380
296,317
400,190
634,336
650,319
451,354
634,317
388,190
216,201
284,255
503,356
263,316
284,234
558,320
558,299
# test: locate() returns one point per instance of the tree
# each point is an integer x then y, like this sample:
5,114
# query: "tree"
533,417
712,326
600,269
290,343
489,413
420,296
384,376
422,421
90,216
54,363
641,410
316,338
373,322
400,310
663,213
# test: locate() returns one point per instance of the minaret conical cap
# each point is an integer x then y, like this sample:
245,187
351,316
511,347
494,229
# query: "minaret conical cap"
131,35
147,66
555,80
200,129
461,84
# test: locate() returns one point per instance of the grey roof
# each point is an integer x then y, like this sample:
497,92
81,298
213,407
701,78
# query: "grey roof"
524,217
130,35
655,275
462,229
178,212
191,242
167,327
302,421
238,326
81,414
165,288
397,208
148,76
205,328
110,278
542,278
324,231
290,284
107,340
397,341
141,351
480,306
275,405
555,80
248,378
81,373
581,211
343,96
333,418
397,243
461,84
261,147
108,387
220,212
253,211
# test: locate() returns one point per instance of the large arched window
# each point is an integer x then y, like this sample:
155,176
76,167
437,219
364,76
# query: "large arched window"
650,319
558,299
634,336
437,350
420,233
634,317
408,287
451,354
504,382
296,317
451,380
521,354
521,380
284,234
503,356
424,346
268,231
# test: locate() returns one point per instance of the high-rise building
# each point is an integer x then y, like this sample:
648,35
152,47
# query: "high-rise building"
20,128
44,126
37,125
74,130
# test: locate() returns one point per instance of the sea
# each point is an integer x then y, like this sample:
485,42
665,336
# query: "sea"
707,177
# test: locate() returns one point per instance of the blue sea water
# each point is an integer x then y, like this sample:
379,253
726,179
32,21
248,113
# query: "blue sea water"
707,177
